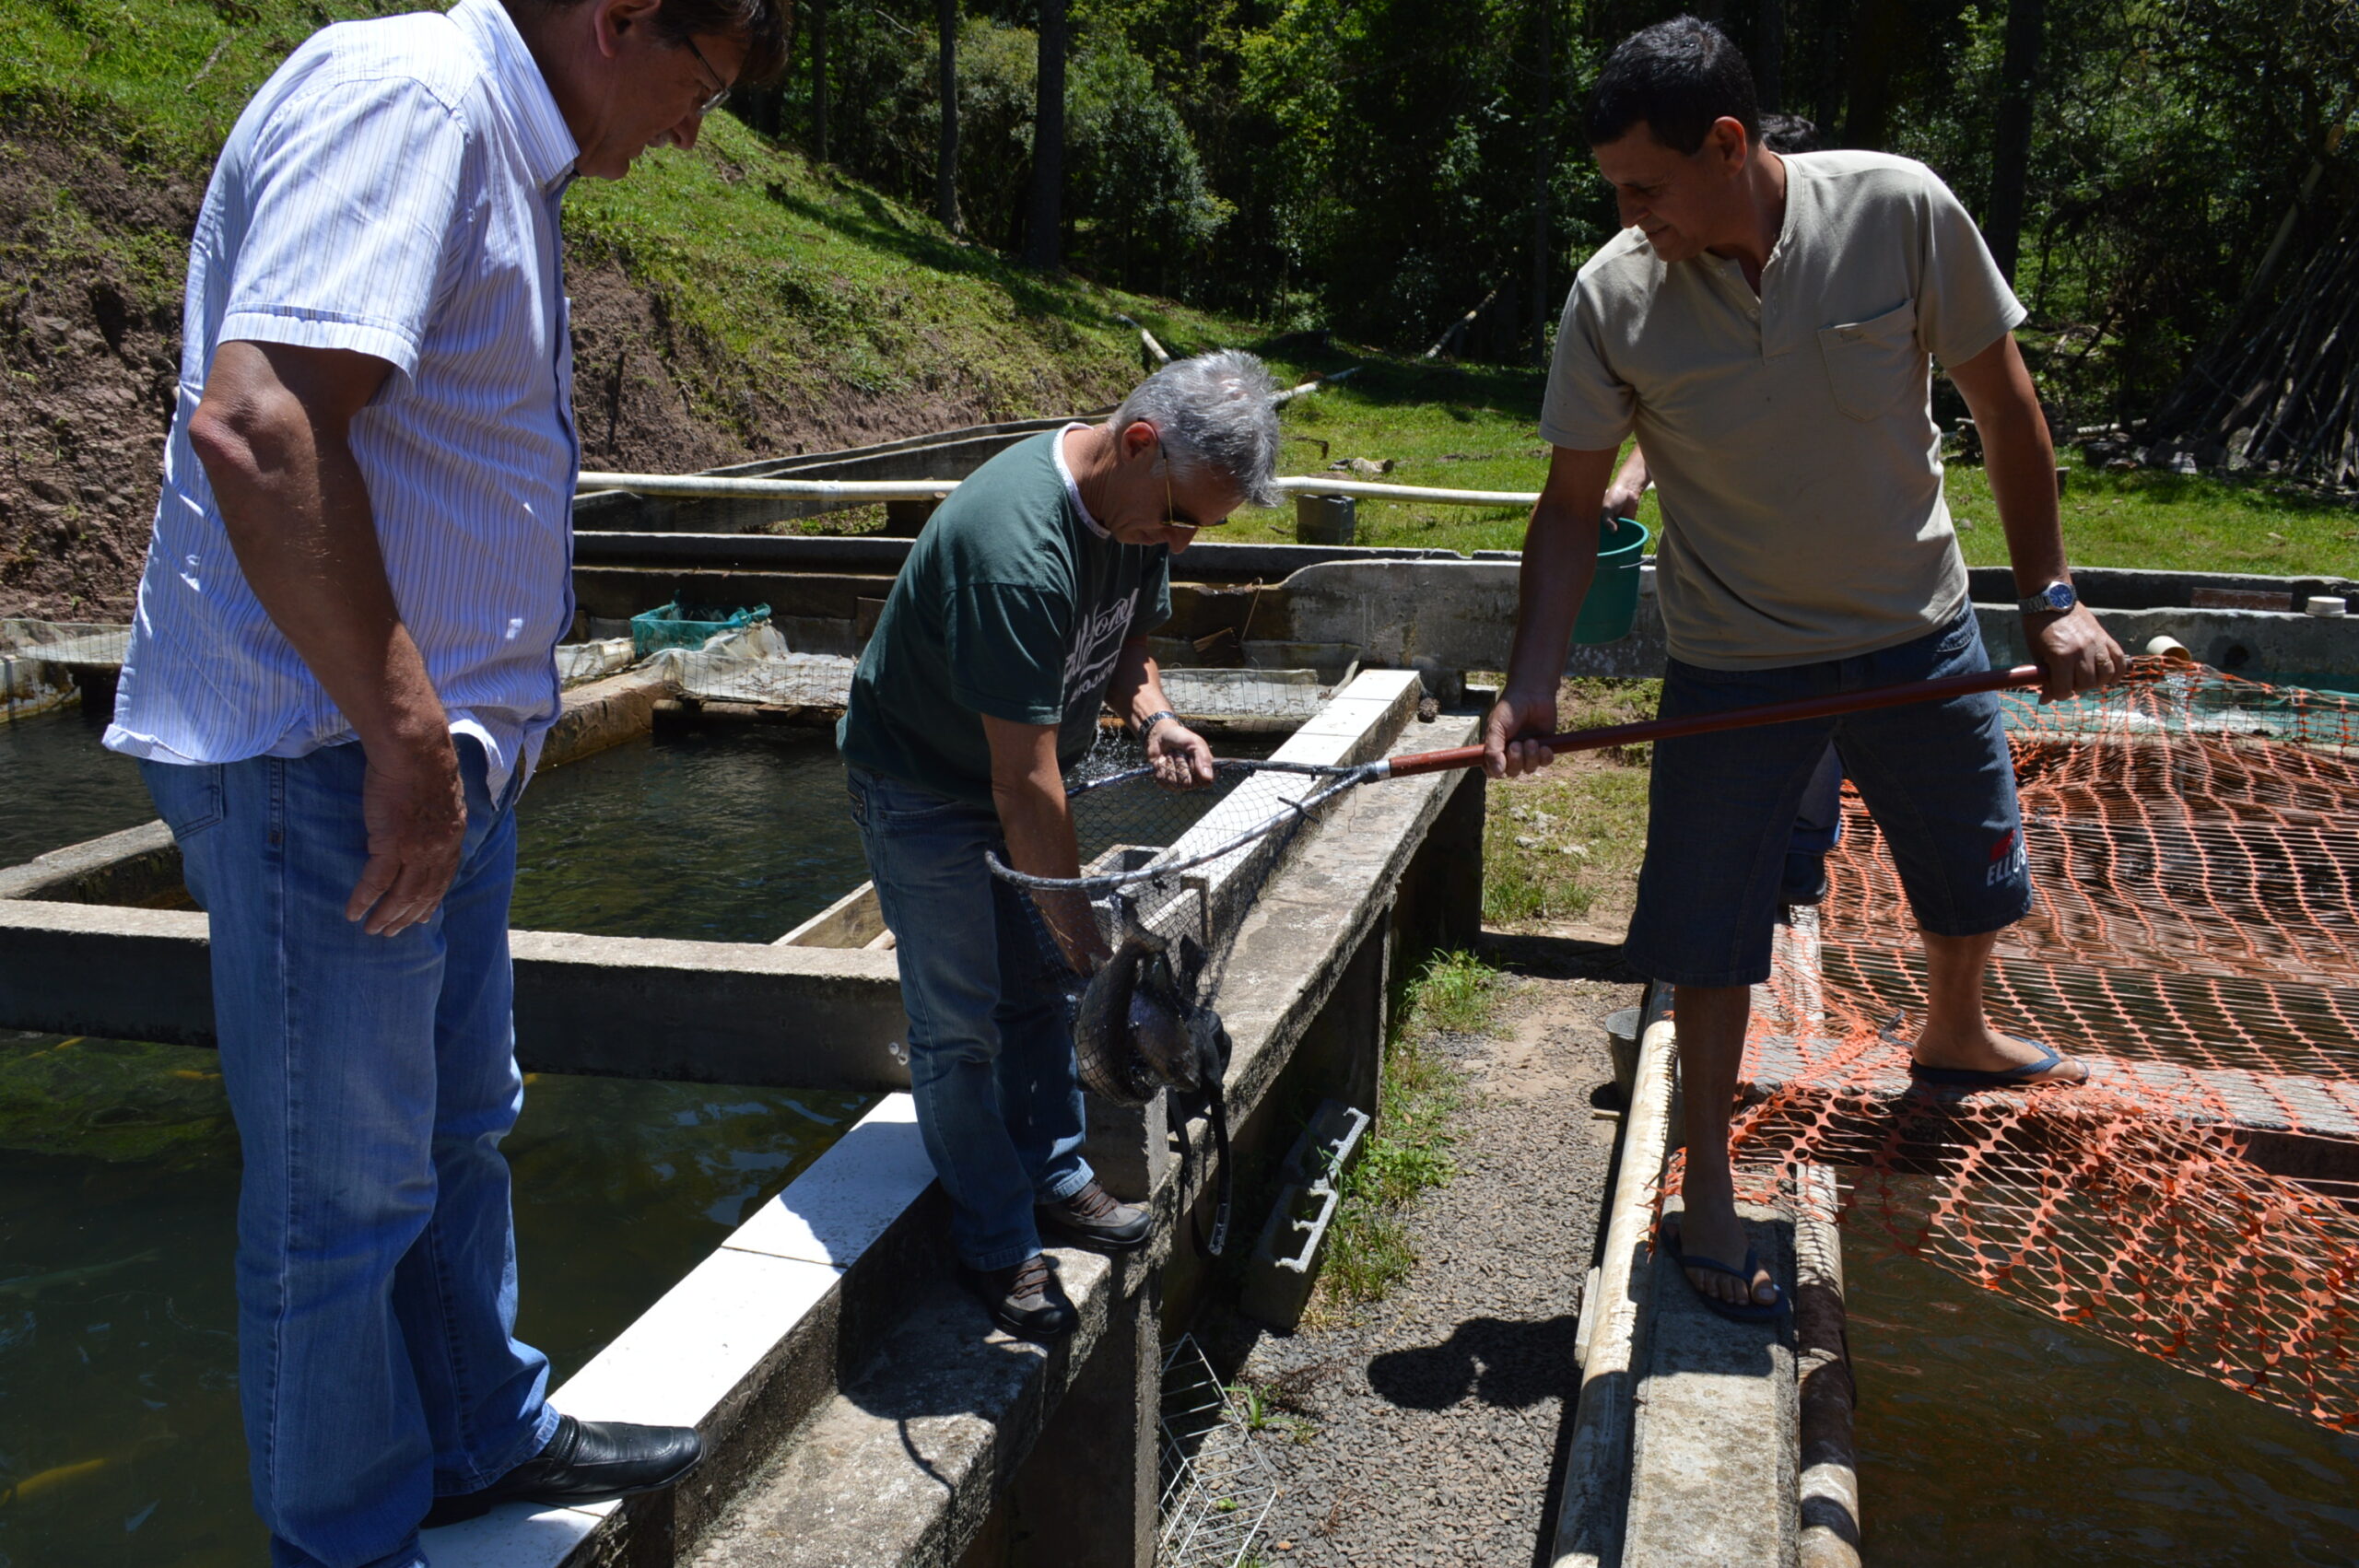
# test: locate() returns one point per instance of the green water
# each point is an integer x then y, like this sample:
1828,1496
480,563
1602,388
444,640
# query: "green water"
118,1163
730,833
58,786
1991,1435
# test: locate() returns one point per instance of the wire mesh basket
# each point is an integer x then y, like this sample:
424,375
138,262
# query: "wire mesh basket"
1218,1487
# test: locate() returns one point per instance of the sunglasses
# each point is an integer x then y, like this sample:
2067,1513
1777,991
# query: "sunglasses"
1172,516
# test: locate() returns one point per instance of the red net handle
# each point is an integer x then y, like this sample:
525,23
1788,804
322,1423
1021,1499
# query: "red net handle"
1738,719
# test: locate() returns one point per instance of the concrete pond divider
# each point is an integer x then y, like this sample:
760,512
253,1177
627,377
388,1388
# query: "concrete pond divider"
1694,1439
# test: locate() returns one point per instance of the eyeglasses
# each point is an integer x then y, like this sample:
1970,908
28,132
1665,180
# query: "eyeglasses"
709,104
1172,516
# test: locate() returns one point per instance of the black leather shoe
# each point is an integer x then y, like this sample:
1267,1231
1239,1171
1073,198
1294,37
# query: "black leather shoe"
1026,1300
1092,1218
587,1461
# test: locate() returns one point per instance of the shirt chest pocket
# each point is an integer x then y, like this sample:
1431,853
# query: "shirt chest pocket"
1871,364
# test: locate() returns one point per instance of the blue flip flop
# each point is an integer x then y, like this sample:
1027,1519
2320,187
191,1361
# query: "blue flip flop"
1968,1078
1667,1237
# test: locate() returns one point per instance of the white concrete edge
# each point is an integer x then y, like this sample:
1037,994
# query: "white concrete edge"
1598,1460
682,1359
1354,724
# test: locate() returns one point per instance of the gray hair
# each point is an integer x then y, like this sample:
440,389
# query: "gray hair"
1213,411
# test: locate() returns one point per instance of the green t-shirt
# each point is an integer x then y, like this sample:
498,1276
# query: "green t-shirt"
1010,604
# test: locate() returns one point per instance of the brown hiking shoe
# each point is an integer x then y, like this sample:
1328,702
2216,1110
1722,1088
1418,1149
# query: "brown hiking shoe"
1092,1218
1026,1300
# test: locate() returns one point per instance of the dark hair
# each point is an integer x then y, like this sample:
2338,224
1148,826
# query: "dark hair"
1678,76
1787,133
766,26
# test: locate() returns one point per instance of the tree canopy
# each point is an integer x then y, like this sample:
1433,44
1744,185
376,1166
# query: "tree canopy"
1380,166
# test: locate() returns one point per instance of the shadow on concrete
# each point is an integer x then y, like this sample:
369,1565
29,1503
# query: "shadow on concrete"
1558,958
1515,1364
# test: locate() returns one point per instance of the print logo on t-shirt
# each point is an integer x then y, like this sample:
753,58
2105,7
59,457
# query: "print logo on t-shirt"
1096,643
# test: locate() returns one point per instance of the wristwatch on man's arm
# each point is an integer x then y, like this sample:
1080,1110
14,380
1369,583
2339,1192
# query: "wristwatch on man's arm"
1145,726
2057,598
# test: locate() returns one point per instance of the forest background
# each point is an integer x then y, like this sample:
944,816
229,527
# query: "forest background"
1380,166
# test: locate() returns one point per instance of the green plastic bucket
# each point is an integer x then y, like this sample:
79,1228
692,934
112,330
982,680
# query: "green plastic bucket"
1612,602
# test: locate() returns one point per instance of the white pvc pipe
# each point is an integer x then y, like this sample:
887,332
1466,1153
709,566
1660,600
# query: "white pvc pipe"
1322,485
705,487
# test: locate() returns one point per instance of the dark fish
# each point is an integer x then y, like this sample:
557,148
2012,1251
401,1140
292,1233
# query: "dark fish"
1101,1029
1158,1027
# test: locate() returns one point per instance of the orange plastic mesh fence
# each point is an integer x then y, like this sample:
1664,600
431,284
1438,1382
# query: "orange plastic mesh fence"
2194,844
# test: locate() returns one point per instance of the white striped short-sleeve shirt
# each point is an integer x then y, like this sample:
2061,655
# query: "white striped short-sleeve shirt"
393,190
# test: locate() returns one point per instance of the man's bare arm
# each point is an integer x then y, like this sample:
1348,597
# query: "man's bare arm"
1179,756
1559,561
1629,483
273,434
2077,652
1029,790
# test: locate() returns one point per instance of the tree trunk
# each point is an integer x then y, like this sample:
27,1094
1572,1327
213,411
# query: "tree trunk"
1049,141
1541,143
946,165
1876,42
2003,226
819,79
1769,54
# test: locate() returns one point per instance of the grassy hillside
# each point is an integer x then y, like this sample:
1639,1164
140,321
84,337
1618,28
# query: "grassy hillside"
729,303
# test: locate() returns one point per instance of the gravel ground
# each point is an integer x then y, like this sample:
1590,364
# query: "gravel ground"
1427,1431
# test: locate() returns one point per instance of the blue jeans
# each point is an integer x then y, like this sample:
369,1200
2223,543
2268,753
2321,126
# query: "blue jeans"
991,1055
372,1079
1937,779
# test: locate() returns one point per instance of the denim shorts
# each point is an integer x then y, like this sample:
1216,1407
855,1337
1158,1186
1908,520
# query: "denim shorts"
1936,776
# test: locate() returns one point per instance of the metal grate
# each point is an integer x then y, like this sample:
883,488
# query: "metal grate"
1217,1485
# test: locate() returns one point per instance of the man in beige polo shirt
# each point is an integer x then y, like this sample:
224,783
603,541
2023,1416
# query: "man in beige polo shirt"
1767,325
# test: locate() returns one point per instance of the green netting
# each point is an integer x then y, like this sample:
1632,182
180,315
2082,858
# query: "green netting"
678,625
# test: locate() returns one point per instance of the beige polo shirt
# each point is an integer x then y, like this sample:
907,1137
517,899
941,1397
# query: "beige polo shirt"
1790,434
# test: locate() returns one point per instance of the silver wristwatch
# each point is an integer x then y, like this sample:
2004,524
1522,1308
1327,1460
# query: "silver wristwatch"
1146,725
2056,599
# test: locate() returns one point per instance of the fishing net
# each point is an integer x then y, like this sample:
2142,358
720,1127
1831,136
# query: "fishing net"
2194,845
1138,943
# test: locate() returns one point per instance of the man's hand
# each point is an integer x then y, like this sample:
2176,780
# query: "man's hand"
1504,756
415,807
2078,654
1629,483
1029,793
1179,756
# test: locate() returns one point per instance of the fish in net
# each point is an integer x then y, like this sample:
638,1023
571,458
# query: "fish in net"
1138,945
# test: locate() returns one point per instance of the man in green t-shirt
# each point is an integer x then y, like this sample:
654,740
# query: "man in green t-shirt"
1022,612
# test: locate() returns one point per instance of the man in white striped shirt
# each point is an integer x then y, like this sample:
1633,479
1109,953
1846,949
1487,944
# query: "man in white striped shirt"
339,679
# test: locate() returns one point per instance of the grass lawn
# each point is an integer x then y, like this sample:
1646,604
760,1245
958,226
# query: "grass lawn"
1475,428
1562,846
